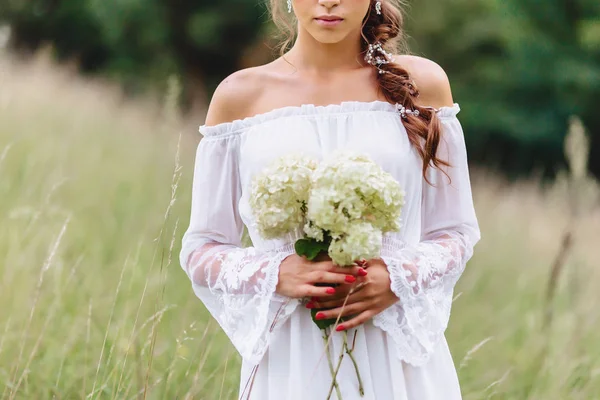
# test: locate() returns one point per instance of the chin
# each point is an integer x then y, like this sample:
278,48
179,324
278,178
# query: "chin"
329,37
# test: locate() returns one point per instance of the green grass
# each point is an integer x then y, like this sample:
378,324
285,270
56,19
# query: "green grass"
94,303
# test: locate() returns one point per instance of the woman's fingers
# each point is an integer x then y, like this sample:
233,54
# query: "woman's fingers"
330,267
330,277
335,302
348,309
356,321
343,291
356,270
317,291
325,272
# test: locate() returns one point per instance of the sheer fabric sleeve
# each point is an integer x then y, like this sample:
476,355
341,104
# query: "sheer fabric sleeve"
237,285
423,276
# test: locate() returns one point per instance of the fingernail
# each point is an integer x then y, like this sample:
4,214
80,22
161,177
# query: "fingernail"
310,305
350,279
330,290
320,315
340,328
362,272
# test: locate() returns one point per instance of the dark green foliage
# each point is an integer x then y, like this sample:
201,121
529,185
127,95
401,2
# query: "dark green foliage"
140,42
519,69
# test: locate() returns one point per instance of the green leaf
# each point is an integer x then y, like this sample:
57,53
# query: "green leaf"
310,248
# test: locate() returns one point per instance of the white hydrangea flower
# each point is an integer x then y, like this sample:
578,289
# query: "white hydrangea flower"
362,240
349,186
279,195
313,231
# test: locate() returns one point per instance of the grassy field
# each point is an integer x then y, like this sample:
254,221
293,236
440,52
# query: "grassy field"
94,198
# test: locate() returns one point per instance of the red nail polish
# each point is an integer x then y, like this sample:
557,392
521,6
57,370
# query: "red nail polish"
340,328
310,305
320,315
350,279
330,290
362,272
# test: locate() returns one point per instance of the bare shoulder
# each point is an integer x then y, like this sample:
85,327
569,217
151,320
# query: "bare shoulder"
431,80
235,96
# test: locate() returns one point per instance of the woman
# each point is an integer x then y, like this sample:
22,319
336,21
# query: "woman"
339,86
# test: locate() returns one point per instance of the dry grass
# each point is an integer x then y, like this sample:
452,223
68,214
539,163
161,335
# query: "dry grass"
93,204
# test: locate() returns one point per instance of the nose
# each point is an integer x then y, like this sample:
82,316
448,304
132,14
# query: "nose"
329,3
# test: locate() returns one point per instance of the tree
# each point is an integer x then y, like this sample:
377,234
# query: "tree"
520,68
141,42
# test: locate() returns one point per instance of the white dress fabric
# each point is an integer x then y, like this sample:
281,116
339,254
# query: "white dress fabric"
402,353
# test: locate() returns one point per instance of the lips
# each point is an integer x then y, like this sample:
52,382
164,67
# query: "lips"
328,20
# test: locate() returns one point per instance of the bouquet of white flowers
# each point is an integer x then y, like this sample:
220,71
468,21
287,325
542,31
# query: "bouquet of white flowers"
344,204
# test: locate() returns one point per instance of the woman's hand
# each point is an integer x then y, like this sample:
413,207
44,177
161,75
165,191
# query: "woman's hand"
298,277
374,295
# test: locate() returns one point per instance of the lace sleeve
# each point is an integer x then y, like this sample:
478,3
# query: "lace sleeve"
423,275
237,285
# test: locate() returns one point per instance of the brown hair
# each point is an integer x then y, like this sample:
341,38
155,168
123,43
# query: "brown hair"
424,131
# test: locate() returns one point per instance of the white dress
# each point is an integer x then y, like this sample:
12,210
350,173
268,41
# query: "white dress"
402,353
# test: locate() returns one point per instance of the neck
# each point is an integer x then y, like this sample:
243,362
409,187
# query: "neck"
309,55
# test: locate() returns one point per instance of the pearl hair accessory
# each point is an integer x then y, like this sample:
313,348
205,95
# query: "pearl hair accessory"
377,56
378,7
404,112
289,4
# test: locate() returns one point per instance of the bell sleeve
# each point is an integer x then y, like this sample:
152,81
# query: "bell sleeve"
423,276
237,285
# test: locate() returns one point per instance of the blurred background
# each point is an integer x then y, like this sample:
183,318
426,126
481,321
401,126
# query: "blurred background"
99,107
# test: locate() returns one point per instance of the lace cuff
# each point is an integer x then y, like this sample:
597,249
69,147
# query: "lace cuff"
237,286
423,277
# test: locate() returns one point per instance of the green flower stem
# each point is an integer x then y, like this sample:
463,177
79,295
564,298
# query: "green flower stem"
361,388
330,361
337,369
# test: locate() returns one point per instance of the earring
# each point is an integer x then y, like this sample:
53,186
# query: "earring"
289,4
378,7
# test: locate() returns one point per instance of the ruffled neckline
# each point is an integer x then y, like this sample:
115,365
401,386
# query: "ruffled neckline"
308,110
